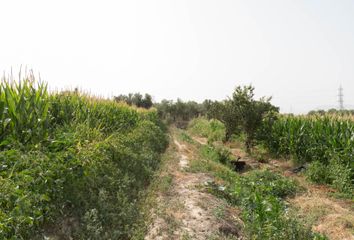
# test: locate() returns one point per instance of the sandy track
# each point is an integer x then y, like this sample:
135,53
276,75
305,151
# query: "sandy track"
191,210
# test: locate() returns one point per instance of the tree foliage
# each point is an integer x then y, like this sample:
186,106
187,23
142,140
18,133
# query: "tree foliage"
241,113
179,110
136,99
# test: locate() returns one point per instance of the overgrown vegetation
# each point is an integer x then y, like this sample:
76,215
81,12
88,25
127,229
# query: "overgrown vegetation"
327,142
332,111
178,111
70,156
242,113
136,99
212,129
260,194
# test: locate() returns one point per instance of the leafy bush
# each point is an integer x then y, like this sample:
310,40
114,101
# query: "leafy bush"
223,154
212,129
260,195
335,173
318,172
216,153
241,113
341,177
185,137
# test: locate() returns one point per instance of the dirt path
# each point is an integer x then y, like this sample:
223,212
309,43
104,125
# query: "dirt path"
187,211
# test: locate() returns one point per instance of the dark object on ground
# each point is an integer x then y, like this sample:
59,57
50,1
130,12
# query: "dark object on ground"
238,165
299,169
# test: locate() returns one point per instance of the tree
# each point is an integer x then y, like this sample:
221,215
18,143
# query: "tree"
225,113
250,112
136,99
241,113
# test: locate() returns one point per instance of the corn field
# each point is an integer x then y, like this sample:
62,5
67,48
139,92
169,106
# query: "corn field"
313,138
68,153
327,142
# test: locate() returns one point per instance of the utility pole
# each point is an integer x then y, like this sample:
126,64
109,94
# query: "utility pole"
341,95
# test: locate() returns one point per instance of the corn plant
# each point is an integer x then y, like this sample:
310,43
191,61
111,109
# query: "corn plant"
23,110
319,139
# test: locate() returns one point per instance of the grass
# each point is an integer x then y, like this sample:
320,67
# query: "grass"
152,207
259,193
185,137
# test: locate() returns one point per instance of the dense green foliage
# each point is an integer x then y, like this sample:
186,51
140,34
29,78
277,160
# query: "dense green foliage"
69,156
136,99
173,112
212,129
242,113
23,112
260,195
326,141
332,111
216,153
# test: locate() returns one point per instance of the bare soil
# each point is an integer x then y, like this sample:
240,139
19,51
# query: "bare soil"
188,211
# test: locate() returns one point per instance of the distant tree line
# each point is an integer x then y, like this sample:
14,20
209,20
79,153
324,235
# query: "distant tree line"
240,113
332,111
136,99
175,111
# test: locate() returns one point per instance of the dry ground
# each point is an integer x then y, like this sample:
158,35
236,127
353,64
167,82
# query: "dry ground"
187,211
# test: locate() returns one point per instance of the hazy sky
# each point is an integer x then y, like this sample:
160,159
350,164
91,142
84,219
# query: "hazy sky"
299,52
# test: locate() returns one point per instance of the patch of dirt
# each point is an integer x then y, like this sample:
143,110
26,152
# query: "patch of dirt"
191,213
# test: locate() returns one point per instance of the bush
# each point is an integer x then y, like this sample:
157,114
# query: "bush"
260,195
212,129
223,154
335,173
318,172
216,153
341,177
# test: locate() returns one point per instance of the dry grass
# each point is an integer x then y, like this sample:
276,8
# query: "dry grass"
328,216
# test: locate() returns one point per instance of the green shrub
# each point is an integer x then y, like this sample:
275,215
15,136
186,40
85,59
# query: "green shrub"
341,177
223,154
212,129
260,194
185,137
216,153
318,172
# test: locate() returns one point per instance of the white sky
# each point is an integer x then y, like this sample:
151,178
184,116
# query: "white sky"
299,52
